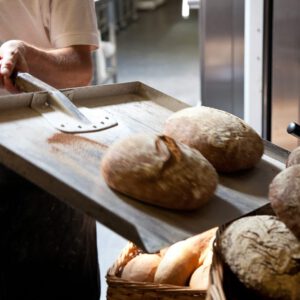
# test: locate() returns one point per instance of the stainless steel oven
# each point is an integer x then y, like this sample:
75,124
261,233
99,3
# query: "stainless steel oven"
284,70
223,57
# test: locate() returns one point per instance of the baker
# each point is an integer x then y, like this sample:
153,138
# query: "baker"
47,249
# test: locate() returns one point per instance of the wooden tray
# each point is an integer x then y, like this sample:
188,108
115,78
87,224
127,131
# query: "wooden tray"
68,165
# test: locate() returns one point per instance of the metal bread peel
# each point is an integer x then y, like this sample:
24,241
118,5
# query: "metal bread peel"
57,108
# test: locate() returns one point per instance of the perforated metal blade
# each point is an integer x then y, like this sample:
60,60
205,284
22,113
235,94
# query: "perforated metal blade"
60,111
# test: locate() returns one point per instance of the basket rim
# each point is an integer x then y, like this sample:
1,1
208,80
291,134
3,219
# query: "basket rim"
114,281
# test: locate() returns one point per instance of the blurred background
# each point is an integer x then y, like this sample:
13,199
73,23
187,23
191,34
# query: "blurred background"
241,56
149,41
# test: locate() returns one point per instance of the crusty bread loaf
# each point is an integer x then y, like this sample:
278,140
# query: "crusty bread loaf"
178,264
200,278
207,255
203,243
224,139
294,157
265,256
157,170
141,268
284,195
163,251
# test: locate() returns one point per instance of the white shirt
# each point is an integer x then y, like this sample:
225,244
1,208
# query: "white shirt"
49,23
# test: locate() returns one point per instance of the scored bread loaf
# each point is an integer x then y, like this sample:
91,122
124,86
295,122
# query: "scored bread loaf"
203,243
157,170
141,268
284,195
224,139
264,254
177,265
200,278
181,259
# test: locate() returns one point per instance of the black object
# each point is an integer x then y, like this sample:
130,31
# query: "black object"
268,68
48,250
294,129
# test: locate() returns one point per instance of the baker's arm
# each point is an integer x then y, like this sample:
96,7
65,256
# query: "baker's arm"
61,68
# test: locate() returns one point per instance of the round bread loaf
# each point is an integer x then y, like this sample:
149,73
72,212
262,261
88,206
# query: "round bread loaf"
200,278
294,157
265,256
203,243
224,139
284,195
178,264
157,170
141,268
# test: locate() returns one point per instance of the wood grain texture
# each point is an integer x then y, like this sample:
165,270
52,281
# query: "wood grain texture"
68,166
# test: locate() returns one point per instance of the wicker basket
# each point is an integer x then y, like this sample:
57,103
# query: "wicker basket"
120,289
224,285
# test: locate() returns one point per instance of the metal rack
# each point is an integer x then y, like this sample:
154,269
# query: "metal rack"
105,58
126,12
149,4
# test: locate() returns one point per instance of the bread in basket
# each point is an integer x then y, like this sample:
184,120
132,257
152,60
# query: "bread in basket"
120,288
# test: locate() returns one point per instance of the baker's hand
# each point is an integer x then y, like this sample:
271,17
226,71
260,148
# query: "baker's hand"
12,58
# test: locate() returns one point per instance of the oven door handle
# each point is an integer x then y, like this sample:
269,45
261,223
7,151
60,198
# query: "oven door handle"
294,129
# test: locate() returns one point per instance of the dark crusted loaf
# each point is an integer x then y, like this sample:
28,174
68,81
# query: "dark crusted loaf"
224,139
284,195
157,170
294,157
264,254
